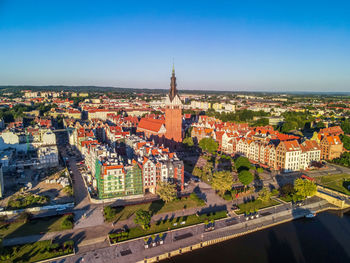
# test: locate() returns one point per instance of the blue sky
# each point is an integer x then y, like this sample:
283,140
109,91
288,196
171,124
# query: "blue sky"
223,45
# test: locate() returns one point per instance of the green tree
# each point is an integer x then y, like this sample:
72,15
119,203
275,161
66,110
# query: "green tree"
166,191
345,125
242,163
222,181
262,122
109,212
289,126
264,195
304,188
188,142
245,177
142,218
208,145
346,141
320,125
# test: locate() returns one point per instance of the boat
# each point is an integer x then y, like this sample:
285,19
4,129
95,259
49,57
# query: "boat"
310,215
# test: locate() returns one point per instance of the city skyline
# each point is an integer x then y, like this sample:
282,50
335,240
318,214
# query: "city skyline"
226,46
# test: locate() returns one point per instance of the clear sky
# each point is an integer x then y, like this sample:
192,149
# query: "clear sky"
224,45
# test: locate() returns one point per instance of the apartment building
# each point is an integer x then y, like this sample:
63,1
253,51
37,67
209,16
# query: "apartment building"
288,156
331,147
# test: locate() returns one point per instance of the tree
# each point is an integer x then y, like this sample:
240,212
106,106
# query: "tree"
345,125
264,195
320,125
287,189
245,177
188,142
346,141
166,191
208,145
289,126
304,188
142,218
242,163
109,213
222,181
262,122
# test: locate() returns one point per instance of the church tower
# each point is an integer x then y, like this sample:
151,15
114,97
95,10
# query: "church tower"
173,112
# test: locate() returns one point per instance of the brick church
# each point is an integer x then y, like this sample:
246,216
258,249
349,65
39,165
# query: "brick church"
173,113
168,131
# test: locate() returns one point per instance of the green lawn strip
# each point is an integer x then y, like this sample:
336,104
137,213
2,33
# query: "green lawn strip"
335,182
156,207
34,252
255,205
165,225
34,226
287,198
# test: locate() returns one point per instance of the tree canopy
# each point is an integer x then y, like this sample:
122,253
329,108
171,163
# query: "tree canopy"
304,188
346,141
188,142
166,191
345,125
344,159
222,181
264,195
245,177
242,163
142,218
208,145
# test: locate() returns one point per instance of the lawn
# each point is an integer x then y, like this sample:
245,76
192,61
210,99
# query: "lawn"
34,252
168,224
255,205
156,207
33,227
336,182
286,198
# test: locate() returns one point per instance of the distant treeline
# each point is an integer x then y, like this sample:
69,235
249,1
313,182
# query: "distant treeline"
14,88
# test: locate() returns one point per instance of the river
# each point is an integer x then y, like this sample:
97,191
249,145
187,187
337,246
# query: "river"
325,238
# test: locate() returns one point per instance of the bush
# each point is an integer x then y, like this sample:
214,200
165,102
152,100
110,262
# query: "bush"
69,243
227,196
259,170
274,192
109,213
67,223
54,246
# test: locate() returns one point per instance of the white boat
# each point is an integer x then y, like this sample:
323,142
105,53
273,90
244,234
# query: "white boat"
311,215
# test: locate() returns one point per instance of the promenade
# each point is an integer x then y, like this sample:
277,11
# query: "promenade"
195,236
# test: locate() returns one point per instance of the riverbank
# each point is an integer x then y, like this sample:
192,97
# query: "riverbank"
322,239
244,228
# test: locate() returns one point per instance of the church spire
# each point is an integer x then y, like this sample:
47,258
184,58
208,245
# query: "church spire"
173,90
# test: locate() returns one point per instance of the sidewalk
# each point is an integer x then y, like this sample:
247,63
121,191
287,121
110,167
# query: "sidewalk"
137,252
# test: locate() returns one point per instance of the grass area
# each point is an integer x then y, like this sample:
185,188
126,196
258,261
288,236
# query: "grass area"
286,198
169,224
35,252
252,206
337,182
26,200
156,207
36,226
